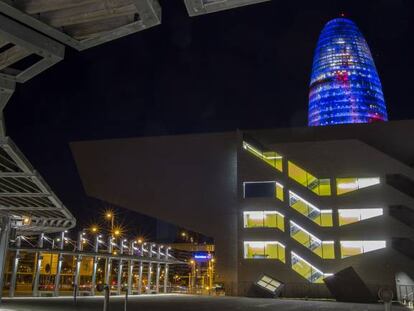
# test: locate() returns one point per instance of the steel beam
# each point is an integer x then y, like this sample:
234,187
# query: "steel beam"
149,280
166,272
95,265
4,245
130,268
120,266
108,262
149,14
39,258
32,42
59,266
157,278
14,268
7,88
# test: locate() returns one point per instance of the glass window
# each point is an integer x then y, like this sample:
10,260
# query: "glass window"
263,189
279,191
306,270
352,248
350,216
264,250
268,283
259,189
270,157
264,219
324,249
345,185
321,187
321,217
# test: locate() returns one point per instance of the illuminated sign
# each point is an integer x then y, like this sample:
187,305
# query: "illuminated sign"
202,256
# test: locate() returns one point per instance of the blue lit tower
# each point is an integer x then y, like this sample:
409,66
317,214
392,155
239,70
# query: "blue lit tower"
345,87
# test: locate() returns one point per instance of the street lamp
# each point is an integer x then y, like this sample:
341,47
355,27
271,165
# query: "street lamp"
94,229
110,216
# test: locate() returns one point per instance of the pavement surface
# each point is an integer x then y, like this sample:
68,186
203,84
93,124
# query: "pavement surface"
183,303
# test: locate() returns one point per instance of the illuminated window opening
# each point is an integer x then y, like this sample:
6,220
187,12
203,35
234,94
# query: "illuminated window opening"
321,187
321,217
350,216
264,219
307,270
264,250
279,191
270,157
345,185
324,249
263,189
353,248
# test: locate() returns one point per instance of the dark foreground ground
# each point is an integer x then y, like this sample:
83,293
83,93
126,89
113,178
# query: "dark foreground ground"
184,303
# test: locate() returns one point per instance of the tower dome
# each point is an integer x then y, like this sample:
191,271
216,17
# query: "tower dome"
344,87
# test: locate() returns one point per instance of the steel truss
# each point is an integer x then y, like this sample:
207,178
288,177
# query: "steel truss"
26,198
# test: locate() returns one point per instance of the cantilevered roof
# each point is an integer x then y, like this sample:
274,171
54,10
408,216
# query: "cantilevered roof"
25,196
82,24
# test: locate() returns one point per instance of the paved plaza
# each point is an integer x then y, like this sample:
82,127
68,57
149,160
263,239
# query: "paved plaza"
184,303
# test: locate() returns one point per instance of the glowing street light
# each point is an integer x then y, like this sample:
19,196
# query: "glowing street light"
110,216
94,229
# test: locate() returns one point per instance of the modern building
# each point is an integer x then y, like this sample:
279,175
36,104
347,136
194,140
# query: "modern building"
296,205
345,87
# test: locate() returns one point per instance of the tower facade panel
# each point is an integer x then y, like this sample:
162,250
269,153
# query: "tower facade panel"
345,86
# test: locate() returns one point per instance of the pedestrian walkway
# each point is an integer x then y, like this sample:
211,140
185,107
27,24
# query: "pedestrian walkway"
171,302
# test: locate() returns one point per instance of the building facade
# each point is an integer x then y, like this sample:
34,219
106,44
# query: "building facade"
297,205
345,86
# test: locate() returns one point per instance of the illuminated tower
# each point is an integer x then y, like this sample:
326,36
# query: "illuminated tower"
345,87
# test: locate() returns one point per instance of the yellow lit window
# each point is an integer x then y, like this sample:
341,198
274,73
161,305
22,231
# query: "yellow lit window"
324,249
264,219
345,185
270,157
297,174
322,217
352,248
264,250
350,216
321,187
306,270
279,191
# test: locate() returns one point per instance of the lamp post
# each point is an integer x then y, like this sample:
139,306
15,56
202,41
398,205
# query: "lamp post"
110,216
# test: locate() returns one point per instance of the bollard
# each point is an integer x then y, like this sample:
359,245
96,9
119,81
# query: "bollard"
386,295
106,298
126,300
75,294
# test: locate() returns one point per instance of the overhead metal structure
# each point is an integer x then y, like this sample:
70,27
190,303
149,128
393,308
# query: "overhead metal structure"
26,198
200,7
24,52
82,24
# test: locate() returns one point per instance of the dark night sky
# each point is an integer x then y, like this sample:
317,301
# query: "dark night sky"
243,68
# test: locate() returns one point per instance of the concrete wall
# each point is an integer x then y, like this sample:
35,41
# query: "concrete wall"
187,180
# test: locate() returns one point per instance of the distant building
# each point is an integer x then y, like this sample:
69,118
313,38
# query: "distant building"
295,204
345,87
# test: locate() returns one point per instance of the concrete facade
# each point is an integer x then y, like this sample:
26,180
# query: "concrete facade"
196,182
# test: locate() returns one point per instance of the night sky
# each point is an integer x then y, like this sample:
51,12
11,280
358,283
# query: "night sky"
244,68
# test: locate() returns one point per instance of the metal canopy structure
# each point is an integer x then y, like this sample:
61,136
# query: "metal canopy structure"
200,7
26,198
24,53
82,24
